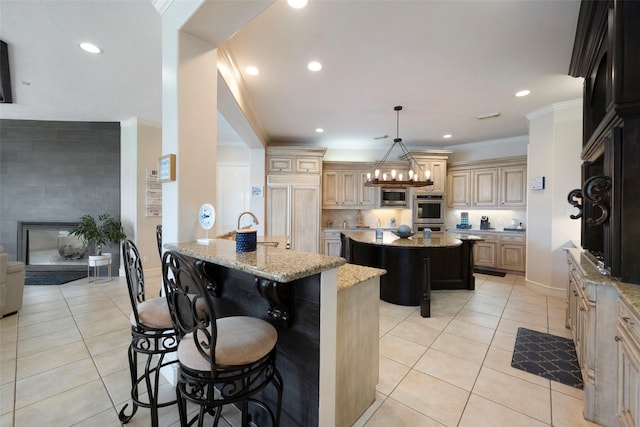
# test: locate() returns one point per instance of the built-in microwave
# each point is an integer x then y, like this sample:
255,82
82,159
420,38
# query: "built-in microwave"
393,198
428,209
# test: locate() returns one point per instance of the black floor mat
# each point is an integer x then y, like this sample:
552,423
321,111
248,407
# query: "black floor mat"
548,356
53,279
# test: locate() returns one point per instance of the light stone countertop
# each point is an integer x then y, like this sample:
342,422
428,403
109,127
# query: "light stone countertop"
351,274
273,263
629,292
438,239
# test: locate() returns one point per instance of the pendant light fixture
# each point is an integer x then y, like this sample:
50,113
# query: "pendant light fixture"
392,178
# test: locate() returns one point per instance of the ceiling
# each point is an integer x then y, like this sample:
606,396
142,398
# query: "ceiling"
445,62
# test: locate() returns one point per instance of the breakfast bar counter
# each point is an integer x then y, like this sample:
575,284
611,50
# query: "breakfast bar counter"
326,314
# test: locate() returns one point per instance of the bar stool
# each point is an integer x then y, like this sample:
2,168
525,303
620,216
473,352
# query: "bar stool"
221,360
152,336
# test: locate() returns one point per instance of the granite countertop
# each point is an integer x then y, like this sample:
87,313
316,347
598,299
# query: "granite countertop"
490,231
438,240
351,274
274,263
591,276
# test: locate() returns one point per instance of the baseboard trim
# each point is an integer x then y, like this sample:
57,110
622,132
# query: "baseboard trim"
545,289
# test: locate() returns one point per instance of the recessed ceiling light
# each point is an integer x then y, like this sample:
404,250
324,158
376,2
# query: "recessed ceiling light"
314,66
89,47
319,130
252,71
522,93
447,136
297,4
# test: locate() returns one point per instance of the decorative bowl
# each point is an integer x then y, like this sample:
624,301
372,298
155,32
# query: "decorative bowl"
403,232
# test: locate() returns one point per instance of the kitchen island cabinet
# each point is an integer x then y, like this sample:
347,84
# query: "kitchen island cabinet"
326,314
414,265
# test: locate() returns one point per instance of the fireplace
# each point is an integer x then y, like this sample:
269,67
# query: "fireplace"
47,247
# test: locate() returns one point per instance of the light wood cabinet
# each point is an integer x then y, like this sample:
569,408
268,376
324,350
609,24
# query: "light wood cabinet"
628,339
298,160
501,251
459,189
293,196
496,183
592,316
438,169
293,210
344,188
331,243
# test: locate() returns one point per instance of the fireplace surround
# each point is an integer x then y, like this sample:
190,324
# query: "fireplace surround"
47,247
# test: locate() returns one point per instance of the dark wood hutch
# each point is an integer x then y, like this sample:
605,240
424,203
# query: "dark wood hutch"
606,53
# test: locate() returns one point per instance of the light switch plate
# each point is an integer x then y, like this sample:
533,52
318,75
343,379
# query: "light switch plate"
537,183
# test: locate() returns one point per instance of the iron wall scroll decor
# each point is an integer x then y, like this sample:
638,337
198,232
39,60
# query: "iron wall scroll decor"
595,190
575,200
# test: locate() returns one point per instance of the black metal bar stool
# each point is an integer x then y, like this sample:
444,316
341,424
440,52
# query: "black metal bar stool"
152,336
221,360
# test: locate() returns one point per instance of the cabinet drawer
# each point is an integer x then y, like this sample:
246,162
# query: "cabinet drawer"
628,320
513,239
280,164
307,165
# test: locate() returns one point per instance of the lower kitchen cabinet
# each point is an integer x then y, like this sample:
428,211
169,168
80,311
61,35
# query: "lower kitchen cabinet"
593,319
628,339
503,251
331,243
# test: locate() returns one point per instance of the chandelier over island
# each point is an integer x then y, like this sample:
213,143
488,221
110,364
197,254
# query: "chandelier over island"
414,176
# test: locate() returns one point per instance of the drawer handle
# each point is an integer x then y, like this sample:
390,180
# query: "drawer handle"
581,308
628,320
618,339
575,293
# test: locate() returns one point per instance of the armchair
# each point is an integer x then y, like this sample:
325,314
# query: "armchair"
11,284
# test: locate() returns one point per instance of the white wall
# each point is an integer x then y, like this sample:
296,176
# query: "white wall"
492,149
141,146
555,143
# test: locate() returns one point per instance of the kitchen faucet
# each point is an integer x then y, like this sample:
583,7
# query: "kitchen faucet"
255,218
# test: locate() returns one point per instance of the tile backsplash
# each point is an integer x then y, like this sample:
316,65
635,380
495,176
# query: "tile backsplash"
369,217
498,219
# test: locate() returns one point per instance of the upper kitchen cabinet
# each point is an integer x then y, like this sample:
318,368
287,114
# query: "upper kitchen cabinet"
434,161
495,183
300,160
343,186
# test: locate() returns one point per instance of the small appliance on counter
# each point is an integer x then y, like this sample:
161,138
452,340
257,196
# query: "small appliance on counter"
464,221
484,223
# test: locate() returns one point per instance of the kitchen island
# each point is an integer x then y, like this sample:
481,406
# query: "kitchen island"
326,314
414,265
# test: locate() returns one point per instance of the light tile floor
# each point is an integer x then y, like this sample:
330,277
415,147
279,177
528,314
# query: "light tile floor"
63,360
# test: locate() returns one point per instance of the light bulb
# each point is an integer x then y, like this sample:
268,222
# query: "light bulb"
410,174
400,177
368,176
384,176
427,175
393,174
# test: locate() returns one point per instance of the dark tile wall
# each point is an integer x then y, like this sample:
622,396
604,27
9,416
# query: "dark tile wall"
56,171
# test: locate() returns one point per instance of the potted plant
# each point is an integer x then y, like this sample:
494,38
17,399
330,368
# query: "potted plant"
105,231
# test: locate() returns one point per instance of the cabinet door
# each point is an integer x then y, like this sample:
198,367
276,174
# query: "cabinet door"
484,184
459,189
366,195
277,210
332,247
305,218
512,256
628,378
350,181
438,170
484,254
330,189
279,165
513,186
308,165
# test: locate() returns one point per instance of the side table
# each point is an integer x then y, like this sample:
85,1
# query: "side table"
97,261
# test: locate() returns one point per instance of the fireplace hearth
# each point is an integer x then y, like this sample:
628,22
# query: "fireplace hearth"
47,247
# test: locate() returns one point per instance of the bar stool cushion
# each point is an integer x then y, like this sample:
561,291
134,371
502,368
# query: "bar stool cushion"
241,340
153,313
